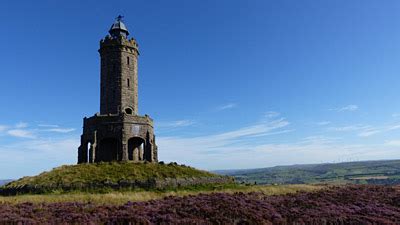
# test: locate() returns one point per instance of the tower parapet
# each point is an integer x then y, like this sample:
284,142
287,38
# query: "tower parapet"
118,132
122,42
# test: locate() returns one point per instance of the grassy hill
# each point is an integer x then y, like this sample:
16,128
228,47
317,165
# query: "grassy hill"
110,176
367,172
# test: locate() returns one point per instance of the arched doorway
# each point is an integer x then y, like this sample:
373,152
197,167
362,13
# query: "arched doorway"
136,149
108,150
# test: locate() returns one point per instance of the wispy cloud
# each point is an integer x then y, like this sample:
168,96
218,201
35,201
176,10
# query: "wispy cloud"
186,149
348,108
21,133
21,130
271,114
60,130
21,125
370,131
323,123
175,124
366,130
350,128
48,125
262,128
226,106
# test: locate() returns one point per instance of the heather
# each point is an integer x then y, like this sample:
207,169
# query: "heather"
334,205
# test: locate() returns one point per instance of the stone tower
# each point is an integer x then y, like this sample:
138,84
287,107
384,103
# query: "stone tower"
118,132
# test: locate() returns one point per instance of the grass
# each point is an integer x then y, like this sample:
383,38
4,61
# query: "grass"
115,176
117,198
109,172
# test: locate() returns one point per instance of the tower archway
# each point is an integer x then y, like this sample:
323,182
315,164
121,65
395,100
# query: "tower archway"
136,149
108,150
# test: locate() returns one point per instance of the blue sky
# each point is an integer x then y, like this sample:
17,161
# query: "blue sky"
229,83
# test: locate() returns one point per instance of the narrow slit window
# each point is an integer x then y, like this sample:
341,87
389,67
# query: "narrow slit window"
127,60
128,82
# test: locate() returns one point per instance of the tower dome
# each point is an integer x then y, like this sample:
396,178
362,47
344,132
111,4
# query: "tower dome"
118,28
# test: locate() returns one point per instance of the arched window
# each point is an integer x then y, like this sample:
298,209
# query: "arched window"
128,111
127,60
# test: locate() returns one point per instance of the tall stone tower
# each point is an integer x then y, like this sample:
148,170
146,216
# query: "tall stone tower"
118,132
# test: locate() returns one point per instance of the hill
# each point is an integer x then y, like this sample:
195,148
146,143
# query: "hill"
365,172
103,177
3,182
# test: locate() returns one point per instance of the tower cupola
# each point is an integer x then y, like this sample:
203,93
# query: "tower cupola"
118,28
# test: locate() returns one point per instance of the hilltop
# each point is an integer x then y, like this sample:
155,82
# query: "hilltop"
364,172
103,177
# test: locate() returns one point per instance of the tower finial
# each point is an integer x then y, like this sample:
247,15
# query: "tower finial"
119,18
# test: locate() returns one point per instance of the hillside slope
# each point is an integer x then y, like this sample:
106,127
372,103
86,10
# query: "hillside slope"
106,176
366,172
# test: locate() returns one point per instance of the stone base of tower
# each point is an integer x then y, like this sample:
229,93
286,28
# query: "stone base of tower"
119,137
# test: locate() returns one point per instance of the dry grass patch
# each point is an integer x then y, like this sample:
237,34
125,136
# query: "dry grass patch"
118,198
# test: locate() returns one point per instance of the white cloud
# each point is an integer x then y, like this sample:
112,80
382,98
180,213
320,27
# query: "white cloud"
348,108
21,133
395,143
31,157
226,106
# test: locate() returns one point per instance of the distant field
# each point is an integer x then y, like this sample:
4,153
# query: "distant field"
367,172
370,178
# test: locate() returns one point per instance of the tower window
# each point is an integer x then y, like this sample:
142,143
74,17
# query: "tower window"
128,111
128,82
127,60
